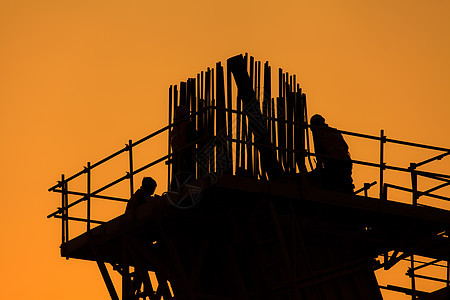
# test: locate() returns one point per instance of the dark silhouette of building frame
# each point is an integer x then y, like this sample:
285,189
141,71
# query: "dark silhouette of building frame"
248,223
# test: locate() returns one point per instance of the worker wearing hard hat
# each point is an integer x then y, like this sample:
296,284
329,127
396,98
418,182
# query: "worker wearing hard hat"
334,164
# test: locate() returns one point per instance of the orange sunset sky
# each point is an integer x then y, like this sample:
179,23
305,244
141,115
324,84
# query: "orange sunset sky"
78,79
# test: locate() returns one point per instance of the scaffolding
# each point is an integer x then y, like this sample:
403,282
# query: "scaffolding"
249,147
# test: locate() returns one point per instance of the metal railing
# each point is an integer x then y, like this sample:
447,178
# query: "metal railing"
89,195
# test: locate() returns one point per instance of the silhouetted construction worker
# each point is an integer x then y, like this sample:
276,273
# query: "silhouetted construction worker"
142,195
334,164
182,134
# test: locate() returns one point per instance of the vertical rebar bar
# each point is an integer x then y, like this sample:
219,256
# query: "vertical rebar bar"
193,121
412,168
201,86
243,145
239,163
168,138
274,130
213,113
289,125
183,93
303,126
212,155
221,131
209,124
245,109
256,171
175,97
230,119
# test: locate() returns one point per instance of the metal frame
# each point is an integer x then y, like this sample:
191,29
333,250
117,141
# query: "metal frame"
225,123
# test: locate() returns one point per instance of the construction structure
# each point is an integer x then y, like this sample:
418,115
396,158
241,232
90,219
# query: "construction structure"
241,218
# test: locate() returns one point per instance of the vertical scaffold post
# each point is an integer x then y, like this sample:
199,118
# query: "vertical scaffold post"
63,209
88,196
382,164
130,155
412,168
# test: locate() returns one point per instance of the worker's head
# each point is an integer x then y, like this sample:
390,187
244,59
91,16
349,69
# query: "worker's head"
317,120
149,184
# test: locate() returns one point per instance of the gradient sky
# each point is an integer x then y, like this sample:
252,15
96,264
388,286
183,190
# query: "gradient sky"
78,79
